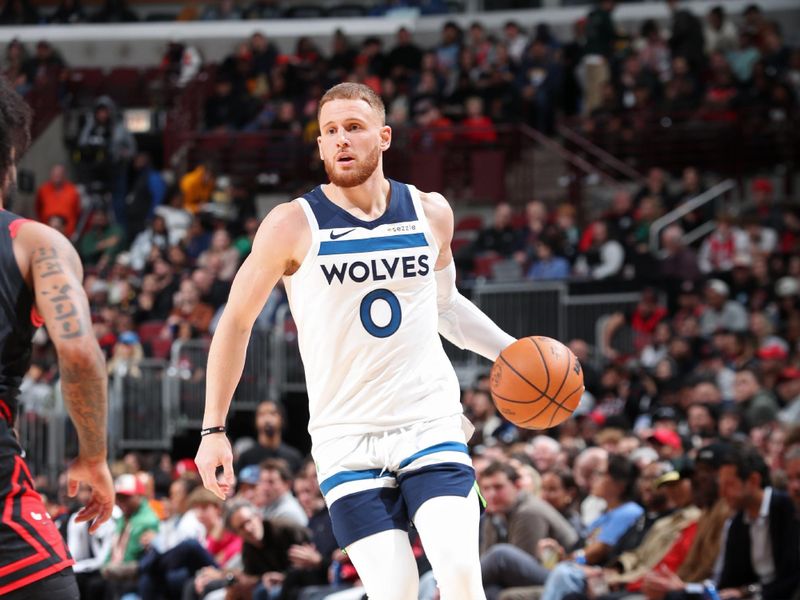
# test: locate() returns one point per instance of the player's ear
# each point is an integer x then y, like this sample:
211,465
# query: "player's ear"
386,138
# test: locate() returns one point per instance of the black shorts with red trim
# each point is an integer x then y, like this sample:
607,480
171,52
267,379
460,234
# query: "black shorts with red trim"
31,547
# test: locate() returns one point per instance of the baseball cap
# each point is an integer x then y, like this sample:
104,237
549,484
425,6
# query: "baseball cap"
787,286
128,485
775,349
250,474
762,184
789,374
129,338
185,465
665,413
666,437
713,454
718,286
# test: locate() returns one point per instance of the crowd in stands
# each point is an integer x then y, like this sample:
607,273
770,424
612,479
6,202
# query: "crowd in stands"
681,468
24,12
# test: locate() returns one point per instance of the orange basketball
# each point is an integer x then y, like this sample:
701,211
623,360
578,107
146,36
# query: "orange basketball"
536,382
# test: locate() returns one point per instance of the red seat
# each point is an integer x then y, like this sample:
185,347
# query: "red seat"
470,223
483,265
149,330
458,243
519,221
161,347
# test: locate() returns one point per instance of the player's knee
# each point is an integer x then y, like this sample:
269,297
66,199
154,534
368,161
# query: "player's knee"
459,572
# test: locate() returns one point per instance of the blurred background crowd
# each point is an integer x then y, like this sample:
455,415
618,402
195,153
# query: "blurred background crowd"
680,471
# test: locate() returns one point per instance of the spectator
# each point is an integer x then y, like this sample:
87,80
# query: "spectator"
275,489
45,66
115,11
478,128
270,422
264,553
547,265
655,186
222,543
680,262
155,236
788,389
225,109
177,219
189,310
105,147
501,239
102,242
147,191
13,67
404,59
197,186
135,531
589,465
490,428
616,487
58,196
222,10
721,312
561,492
725,243
756,405
181,62
18,12
763,540
516,523
763,206
222,257
791,463
687,36
600,31
643,321
720,32
603,258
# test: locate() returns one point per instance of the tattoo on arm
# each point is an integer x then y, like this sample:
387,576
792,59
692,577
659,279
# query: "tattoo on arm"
83,376
85,390
47,263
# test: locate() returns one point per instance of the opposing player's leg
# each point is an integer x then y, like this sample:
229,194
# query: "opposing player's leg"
448,527
386,565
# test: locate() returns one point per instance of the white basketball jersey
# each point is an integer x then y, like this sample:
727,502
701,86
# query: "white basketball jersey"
364,301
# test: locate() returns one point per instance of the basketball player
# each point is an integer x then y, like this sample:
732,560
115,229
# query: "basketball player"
370,278
41,283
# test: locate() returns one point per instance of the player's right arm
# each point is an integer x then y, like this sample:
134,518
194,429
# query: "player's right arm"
54,272
278,248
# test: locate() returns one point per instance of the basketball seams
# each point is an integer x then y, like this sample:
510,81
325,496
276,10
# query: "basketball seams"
544,364
566,374
542,394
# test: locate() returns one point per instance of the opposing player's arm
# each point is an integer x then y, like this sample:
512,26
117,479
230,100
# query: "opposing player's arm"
460,321
56,276
277,251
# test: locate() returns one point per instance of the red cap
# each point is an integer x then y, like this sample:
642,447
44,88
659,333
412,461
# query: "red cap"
129,485
761,184
789,374
773,352
185,465
667,437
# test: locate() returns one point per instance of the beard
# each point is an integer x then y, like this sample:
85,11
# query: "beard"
356,176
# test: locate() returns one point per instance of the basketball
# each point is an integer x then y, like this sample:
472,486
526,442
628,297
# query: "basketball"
536,382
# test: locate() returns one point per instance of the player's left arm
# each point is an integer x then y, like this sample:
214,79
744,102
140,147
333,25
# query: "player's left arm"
460,321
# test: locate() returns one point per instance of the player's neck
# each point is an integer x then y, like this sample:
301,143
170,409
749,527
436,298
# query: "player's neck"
371,197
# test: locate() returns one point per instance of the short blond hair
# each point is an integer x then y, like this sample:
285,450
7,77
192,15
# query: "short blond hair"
354,91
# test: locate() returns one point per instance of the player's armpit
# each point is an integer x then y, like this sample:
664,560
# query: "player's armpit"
440,218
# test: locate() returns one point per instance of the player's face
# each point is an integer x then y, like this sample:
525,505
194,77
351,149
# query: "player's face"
351,141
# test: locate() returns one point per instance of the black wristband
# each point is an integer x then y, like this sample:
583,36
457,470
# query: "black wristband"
210,430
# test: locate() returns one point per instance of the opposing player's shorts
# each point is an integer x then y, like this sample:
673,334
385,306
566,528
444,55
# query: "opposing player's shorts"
376,482
31,547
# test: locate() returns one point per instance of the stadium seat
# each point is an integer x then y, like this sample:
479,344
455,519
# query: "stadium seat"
485,264
160,347
470,223
459,243
149,330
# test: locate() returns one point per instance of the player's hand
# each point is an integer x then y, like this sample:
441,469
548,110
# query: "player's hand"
214,451
96,475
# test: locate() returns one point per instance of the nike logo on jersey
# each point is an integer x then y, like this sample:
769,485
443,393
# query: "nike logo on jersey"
335,236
